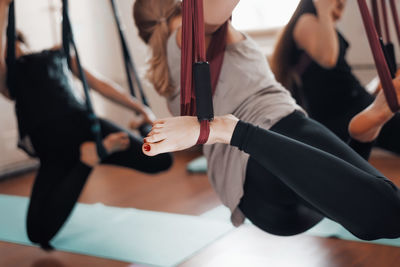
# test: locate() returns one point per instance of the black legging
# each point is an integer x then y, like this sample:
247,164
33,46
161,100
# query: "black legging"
300,172
62,175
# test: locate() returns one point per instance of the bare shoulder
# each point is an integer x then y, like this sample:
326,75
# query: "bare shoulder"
304,28
305,23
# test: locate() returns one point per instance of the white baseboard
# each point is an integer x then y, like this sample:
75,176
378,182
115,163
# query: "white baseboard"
18,168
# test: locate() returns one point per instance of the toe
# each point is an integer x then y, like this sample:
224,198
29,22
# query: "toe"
151,149
154,138
161,121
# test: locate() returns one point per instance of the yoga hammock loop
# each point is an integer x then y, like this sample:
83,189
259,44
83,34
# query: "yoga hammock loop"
130,67
388,46
199,78
11,56
190,52
377,20
68,40
395,15
379,57
386,22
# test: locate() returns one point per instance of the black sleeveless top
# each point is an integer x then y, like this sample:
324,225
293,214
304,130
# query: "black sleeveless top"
327,93
43,90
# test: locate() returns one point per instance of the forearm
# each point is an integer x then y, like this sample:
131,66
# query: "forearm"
3,69
109,89
114,93
3,82
327,40
317,36
3,25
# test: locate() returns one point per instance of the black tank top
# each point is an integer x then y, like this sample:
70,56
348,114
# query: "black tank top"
326,93
43,90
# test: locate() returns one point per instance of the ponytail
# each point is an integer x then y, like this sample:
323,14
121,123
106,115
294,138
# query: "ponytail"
151,18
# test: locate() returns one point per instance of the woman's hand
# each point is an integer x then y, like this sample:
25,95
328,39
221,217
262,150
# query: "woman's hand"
148,116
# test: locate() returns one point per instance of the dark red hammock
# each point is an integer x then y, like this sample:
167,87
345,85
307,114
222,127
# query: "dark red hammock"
375,12
386,22
395,18
379,57
389,47
379,7
199,70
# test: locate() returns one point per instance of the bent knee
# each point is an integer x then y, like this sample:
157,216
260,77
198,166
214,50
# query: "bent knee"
385,228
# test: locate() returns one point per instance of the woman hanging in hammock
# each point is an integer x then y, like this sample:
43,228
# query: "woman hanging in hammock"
56,124
310,60
267,160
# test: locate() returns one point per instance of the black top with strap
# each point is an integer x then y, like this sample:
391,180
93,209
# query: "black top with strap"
41,84
44,91
326,93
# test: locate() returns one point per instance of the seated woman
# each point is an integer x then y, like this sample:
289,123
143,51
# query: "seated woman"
56,124
268,161
310,59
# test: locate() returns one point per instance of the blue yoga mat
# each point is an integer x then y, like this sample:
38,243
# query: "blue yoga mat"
326,228
125,234
198,165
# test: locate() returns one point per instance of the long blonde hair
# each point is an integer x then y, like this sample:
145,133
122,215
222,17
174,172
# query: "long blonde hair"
152,18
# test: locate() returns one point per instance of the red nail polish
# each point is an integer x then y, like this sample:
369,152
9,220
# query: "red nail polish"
147,148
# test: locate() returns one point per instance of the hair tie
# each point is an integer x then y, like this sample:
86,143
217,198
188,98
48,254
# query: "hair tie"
161,20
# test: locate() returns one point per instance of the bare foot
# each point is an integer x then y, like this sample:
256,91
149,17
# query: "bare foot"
112,143
116,142
366,125
179,133
135,123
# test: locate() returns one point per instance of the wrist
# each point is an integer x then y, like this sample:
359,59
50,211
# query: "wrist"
326,18
137,107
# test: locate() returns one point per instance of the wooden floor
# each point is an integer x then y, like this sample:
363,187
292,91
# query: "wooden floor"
179,192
